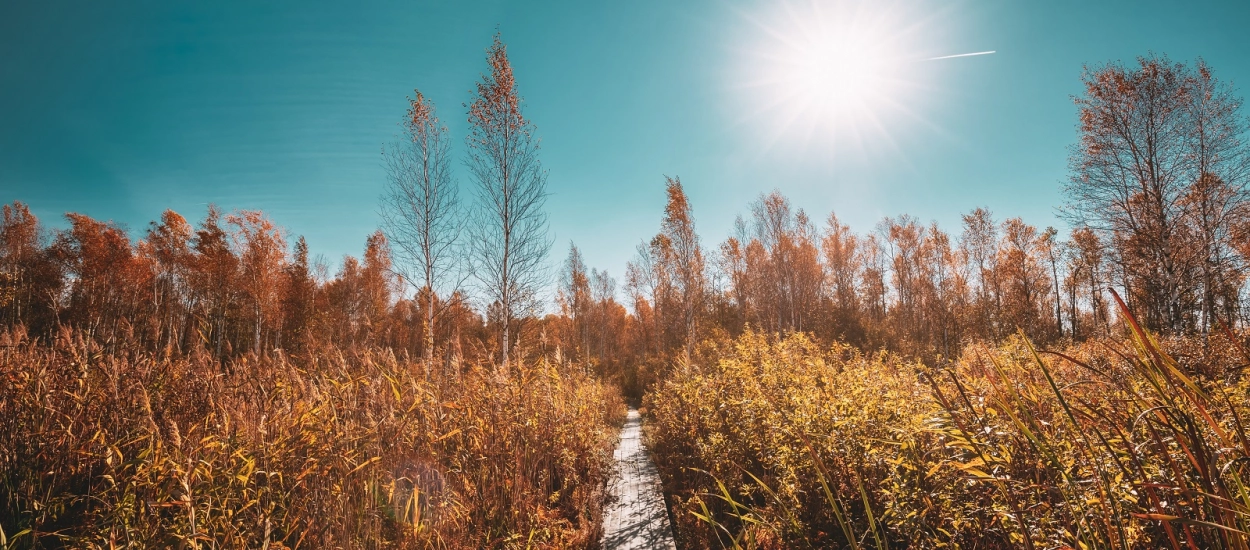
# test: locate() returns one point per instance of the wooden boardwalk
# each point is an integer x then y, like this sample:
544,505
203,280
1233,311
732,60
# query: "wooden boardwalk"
636,517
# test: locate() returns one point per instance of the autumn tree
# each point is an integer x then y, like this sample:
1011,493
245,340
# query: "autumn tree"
731,265
108,279
421,214
903,238
1026,286
1160,171
213,280
30,279
979,245
345,323
378,285
873,281
299,290
1052,251
575,298
644,284
509,241
607,318
783,263
945,293
1217,202
679,258
168,245
261,249
843,257
1087,280
927,287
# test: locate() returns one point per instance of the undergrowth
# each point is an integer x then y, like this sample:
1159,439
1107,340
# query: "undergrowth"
782,443
344,449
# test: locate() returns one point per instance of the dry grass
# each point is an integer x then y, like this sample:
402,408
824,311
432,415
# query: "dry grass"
1111,445
342,450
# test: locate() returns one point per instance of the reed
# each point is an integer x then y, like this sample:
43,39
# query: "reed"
343,448
1129,443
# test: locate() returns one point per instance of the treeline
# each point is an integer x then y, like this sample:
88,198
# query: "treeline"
1157,197
906,286
227,285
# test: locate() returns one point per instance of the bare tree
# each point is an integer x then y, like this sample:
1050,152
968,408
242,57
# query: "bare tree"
509,240
421,214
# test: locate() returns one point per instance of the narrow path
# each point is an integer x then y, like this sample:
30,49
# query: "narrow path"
636,517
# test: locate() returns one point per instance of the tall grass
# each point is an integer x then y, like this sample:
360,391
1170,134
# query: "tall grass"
344,449
1112,444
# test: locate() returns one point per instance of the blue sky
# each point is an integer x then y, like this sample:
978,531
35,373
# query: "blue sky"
122,111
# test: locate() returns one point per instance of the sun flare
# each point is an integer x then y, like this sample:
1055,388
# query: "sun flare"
836,71
830,70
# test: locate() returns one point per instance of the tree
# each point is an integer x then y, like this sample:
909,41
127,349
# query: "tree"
678,254
345,302
876,265
843,259
214,272
1053,249
606,315
377,286
944,292
645,283
731,264
1217,203
30,280
1160,172
1025,285
979,243
421,213
904,240
783,262
169,246
575,297
509,234
1086,276
108,279
298,298
261,249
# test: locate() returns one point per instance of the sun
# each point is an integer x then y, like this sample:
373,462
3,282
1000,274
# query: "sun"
837,70
829,70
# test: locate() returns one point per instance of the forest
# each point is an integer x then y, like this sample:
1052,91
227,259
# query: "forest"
459,385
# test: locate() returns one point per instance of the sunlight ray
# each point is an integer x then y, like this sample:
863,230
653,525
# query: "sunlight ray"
837,77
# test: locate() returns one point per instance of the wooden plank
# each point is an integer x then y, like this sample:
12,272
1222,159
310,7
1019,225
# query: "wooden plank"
636,517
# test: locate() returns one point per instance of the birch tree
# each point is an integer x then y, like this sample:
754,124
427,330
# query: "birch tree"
508,240
421,214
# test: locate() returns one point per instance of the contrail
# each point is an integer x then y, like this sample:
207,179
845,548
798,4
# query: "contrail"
960,55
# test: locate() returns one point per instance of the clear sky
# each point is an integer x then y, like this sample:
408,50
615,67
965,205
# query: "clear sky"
122,109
